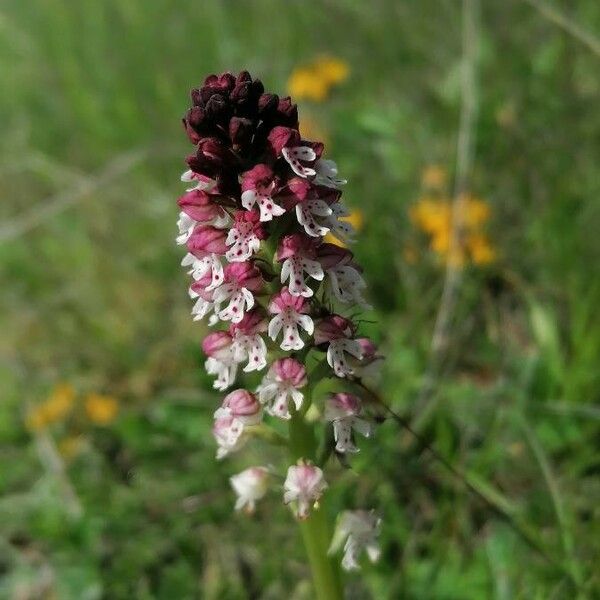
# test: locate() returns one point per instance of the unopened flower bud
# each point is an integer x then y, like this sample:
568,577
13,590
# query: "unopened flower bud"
211,157
207,239
332,328
199,205
287,112
240,403
291,371
240,131
283,137
332,255
254,321
215,343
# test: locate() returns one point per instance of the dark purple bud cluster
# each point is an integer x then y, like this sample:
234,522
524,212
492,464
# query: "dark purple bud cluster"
230,122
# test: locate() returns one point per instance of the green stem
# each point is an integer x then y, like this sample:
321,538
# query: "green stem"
326,579
316,531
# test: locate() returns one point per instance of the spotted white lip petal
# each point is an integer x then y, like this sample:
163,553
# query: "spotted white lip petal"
340,229
279,408
335,355
257,354
288,322
236,308
276,391
293,268
217,273
201,266
320,208
342,434
243,244
307,220
305,153
251,348
224,291
346,285
293,156
268,208
291,337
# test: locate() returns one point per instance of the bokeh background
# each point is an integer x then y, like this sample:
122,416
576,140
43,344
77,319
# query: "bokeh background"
108,483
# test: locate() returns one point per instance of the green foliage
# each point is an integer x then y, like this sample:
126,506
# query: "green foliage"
93,295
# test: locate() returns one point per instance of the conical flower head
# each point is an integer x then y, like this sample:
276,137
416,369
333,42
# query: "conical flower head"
260,199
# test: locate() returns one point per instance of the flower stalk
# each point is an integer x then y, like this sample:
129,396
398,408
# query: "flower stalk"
316,530
325,571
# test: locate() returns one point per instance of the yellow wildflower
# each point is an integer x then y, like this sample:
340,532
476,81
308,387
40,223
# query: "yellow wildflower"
315,80
305,84
482,252
475,212
53,409
356,218
60,401
431,216
434,177
332,70
434,217
70,446
440,241
101,409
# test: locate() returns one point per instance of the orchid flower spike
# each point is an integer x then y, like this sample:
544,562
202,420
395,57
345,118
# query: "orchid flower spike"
259,199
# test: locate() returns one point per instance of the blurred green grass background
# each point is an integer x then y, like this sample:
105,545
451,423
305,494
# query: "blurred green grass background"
93,298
